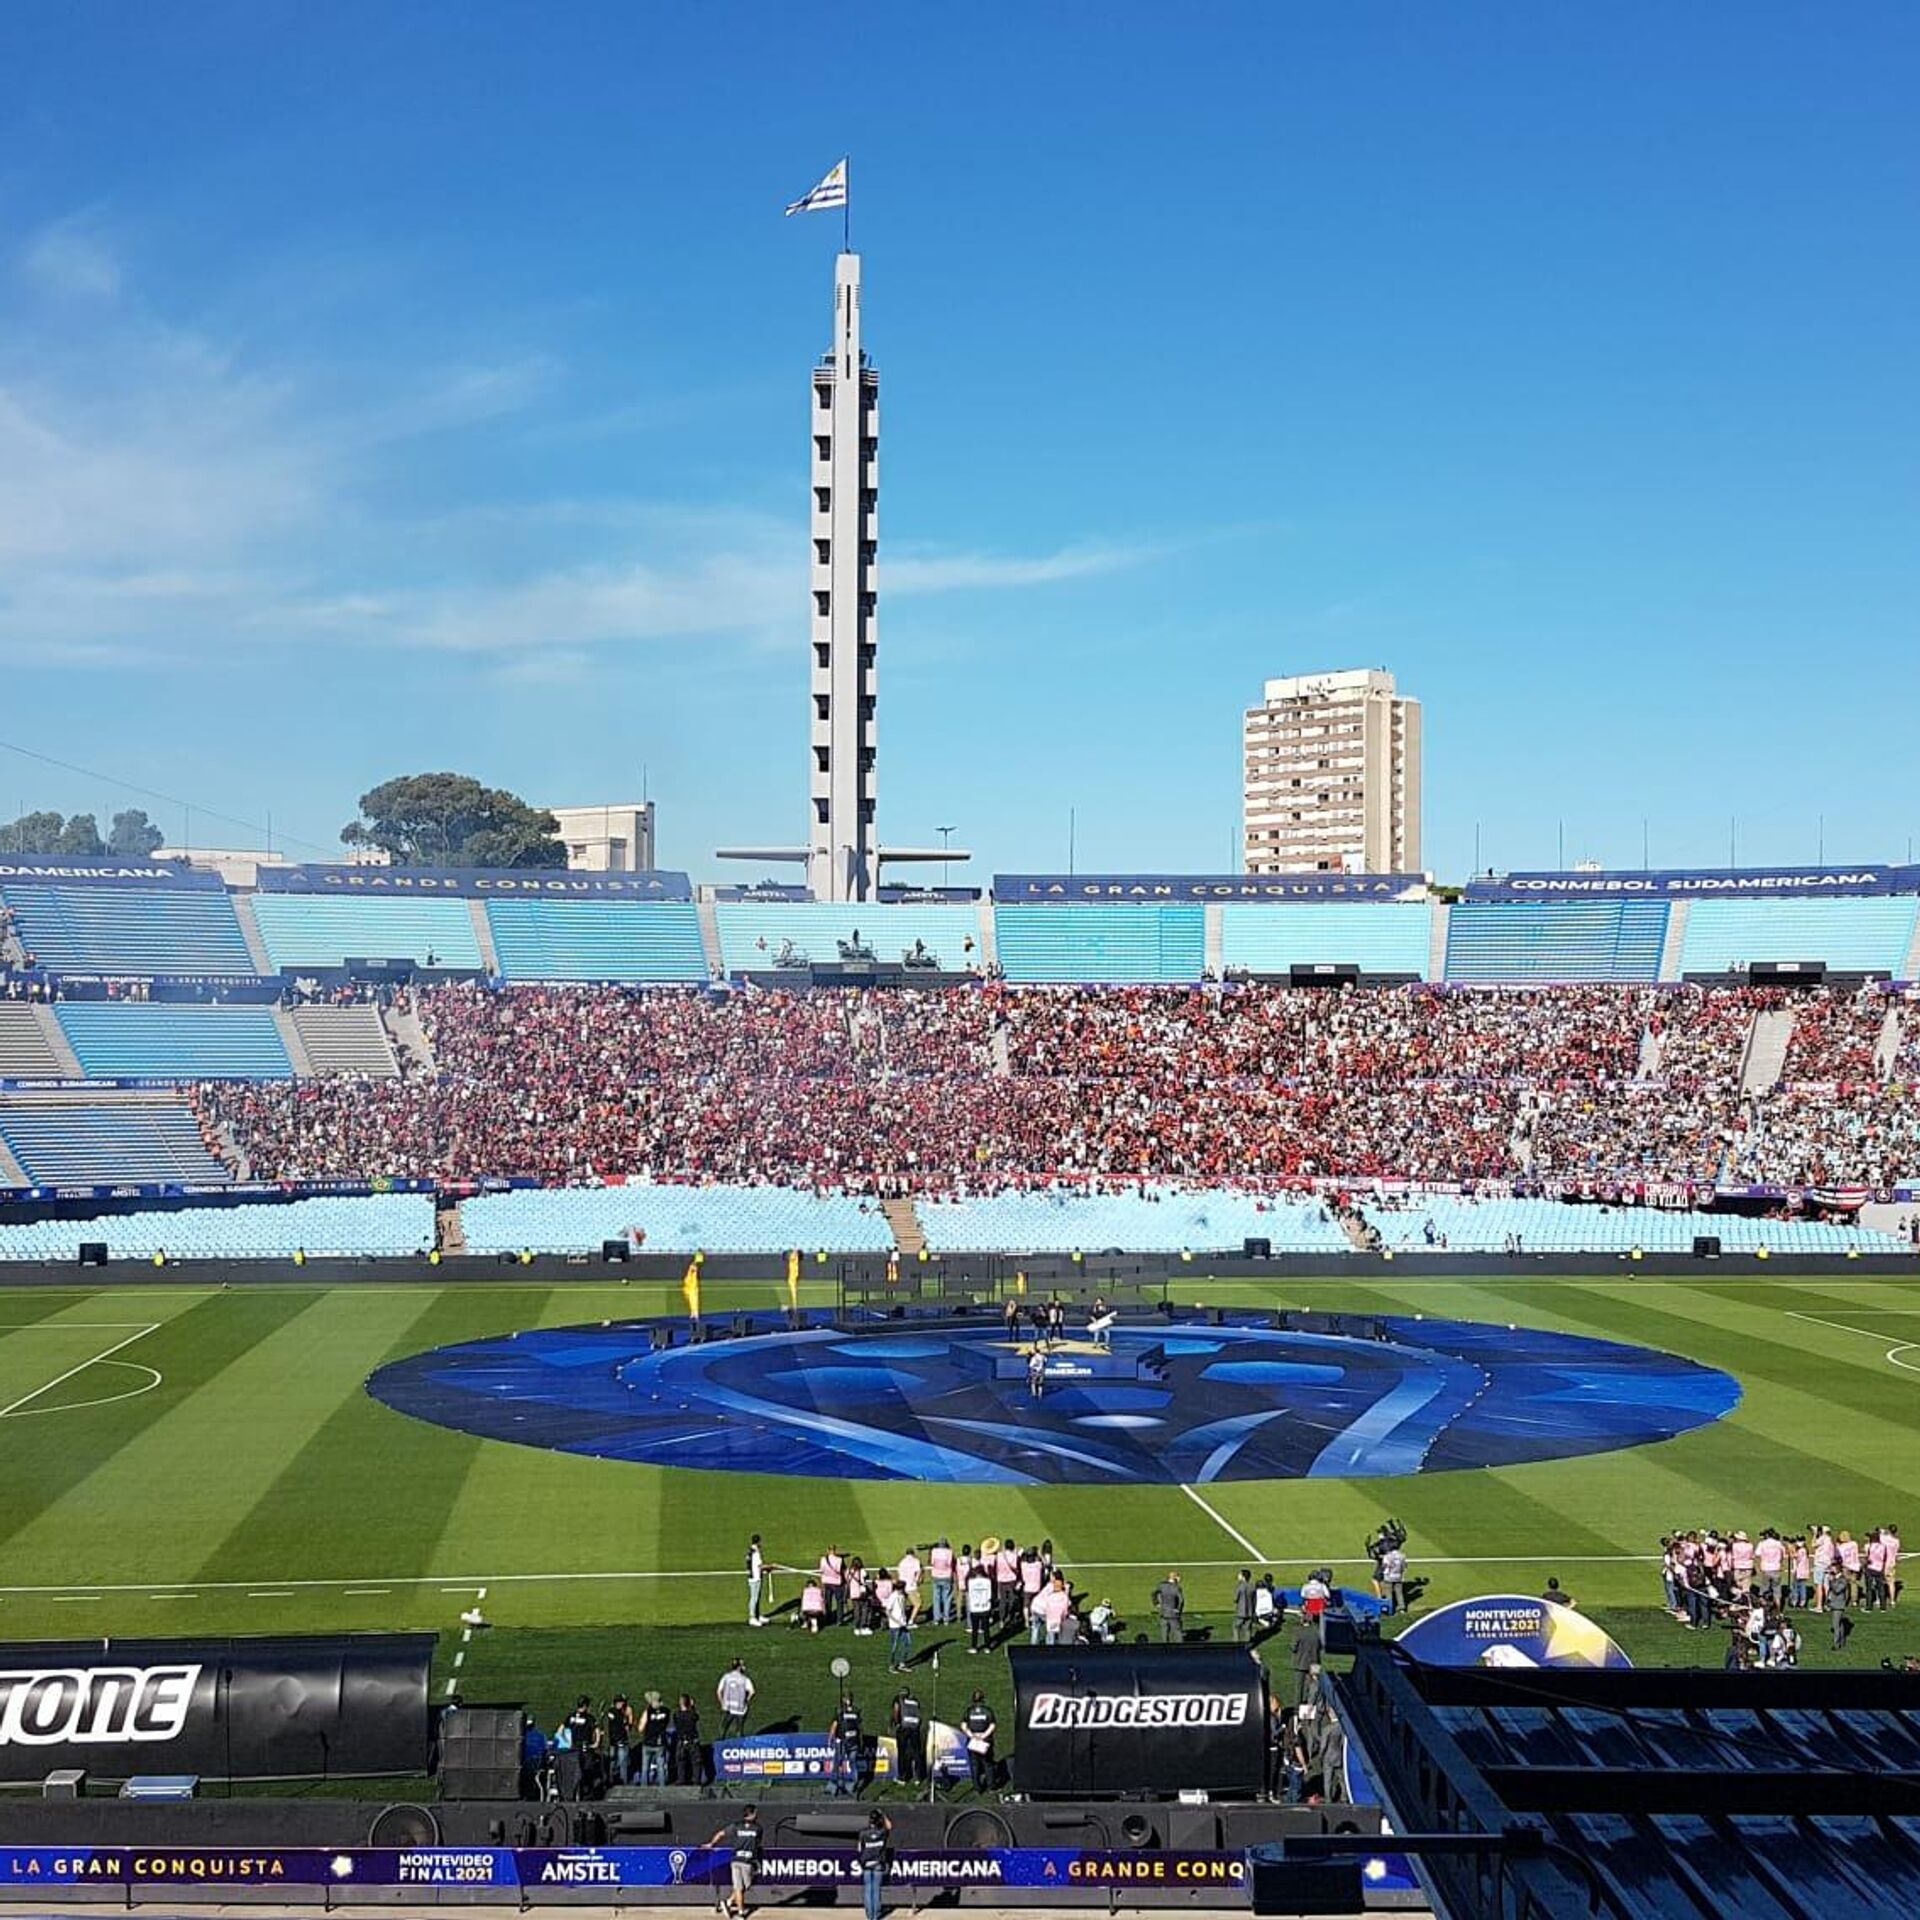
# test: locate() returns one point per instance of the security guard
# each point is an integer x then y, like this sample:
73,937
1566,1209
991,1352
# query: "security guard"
849,1754
980,1727
910,1735
876,1852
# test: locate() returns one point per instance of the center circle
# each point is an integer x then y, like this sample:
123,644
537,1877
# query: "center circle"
1230,1396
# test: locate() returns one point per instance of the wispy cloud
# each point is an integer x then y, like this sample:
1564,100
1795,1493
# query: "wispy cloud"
166,496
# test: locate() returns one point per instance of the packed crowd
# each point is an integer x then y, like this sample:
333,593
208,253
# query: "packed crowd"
988,1088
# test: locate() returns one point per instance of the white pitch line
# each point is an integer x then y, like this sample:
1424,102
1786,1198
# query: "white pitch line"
1892,1354
460,1658
271,1593
73,1599
152,1326
1223,1523
153,1379
451,1685
733,1573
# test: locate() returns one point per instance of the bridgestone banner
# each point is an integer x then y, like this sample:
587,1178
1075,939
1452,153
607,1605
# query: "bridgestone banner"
241,1709
1097,1721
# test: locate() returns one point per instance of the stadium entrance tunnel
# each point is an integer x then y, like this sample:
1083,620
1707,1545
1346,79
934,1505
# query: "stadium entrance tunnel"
1182,1403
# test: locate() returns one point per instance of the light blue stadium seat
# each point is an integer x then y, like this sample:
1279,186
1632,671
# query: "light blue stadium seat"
374,1226
1166,1220
1387,937
752,932
131,930
598,940
103,1145
1102,945
1850,935
675,1219
1558,1226
1565,940
130,1040
327,930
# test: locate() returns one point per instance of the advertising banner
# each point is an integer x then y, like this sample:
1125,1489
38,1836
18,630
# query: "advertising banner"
1150,889
1686,883
26,869
240,1709
529,883
1510,1630
1094,1721
793,1756
50,1869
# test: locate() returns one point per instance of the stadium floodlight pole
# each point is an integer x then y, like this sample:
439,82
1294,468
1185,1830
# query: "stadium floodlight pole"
933,1721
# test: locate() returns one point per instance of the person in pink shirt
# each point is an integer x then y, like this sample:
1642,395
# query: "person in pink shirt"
1876,1592
1893,1566
1769,1565
1801,1590
1741,1560
910,1571
813,1606
833,1583
859,1597
940,1565
1048,1612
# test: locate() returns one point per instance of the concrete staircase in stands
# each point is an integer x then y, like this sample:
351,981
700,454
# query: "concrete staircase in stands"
1766,1054
908,1234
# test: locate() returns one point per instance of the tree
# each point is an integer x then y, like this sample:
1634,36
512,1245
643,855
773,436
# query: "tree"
80,838
134,836
32,833
451,820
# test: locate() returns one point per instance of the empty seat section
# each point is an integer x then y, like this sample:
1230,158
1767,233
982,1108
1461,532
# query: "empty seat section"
617,940
122,1040
129,930
1102,946
62,1145
1556,1226
1850,936
345,1040
1605,940
25,1051
1163,1220
674,1219
1391,937
753,933
327,930
388,1225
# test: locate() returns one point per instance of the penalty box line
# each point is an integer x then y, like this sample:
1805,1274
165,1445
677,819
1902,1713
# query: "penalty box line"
93,1360
450,1584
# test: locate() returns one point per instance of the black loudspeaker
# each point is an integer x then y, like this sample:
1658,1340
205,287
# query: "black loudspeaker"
1192,1829
613,1252
1706,1246
1302,1886
1257,1249
1339,1633
480,1754
93,1253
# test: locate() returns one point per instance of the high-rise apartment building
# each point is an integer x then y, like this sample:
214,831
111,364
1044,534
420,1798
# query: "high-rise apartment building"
1331,768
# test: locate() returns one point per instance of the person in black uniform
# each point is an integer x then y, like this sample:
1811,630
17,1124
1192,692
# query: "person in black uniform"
583,1734
687,1756
876,1850
1056,1323
744,1838
979,1727
910,1735
849,1753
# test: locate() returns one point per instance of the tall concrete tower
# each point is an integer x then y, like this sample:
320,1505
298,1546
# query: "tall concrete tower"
842,855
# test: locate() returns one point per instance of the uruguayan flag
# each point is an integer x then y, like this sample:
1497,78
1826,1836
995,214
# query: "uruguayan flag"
831,192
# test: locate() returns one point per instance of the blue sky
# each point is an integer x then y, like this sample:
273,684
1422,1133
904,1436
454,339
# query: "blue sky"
385,388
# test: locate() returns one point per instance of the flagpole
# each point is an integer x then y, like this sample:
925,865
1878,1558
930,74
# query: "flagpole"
846,209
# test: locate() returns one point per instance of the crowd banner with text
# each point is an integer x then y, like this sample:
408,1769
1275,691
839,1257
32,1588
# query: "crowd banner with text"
252,1709
1688,883
485,883
1092,1722
1162,889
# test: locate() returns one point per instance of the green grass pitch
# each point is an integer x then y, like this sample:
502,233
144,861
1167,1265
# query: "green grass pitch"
185,1461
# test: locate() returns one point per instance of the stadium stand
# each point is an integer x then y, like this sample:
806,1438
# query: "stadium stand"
378,1226
326,930
753,932
1849,936
125,1040
1102,946
130,930
1598,940
1554,1226
1157,1220
1388,937
597,940
60,1144
345,1040
674,1219
25,1051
